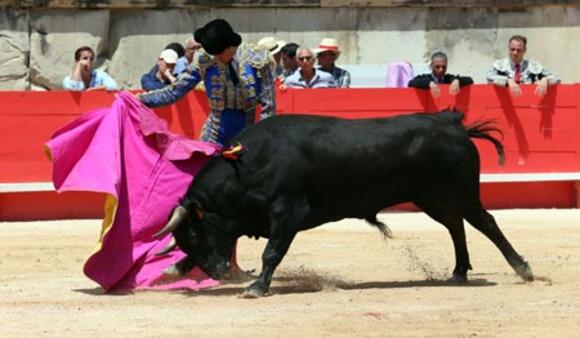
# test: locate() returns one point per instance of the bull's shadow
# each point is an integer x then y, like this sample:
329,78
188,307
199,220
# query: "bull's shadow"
298,286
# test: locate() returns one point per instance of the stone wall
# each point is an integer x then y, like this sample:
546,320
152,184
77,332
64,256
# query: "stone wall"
38,38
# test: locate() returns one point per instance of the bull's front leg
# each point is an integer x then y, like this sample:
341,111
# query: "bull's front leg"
272,256
287,213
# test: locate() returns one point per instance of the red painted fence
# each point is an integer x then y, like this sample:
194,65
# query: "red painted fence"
541,136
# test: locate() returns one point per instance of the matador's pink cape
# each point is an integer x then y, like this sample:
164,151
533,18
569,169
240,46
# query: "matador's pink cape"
128,153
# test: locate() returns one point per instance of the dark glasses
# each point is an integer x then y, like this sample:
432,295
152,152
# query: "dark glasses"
305,58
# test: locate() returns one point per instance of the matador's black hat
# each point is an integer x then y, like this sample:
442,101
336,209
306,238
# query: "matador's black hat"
216,36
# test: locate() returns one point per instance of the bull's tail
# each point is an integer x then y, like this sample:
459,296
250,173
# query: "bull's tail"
383,228
481,129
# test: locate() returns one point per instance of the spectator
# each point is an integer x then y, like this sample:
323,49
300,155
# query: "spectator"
515,70
439,75
162,74
84,77
327,53
306,76
274,47
176,47
288,58
184,61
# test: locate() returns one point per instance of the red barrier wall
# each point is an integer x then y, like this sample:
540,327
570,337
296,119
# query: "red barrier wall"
540,134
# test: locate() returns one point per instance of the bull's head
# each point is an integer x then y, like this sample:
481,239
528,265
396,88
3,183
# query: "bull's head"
202,236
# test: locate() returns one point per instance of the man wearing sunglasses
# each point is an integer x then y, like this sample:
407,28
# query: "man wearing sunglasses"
84,77
306,76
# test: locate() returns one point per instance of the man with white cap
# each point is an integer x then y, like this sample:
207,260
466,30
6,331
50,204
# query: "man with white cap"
327,53
162,75
274,47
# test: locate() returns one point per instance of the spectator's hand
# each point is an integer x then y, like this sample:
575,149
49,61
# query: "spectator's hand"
83,64
542,87
514,87
434,89
454,87
169,76
283,87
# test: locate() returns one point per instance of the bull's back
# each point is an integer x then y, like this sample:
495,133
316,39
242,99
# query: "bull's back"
356,144
348,164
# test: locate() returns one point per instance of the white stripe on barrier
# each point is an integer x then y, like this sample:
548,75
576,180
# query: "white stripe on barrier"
26,187
529,177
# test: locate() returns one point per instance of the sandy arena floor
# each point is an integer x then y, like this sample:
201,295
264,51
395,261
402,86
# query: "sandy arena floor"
340,280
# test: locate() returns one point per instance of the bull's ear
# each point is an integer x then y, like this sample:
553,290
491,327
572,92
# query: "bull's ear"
198,210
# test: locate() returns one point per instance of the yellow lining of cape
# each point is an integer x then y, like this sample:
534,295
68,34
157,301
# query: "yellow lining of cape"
109,217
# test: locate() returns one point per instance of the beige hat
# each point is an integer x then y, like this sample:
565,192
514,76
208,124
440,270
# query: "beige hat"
327,45
272,45
169,56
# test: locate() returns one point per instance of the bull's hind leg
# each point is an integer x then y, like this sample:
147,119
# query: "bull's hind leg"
286,215
484,222
453,221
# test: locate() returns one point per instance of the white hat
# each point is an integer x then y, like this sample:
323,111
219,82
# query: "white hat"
327,45
272,45
169,56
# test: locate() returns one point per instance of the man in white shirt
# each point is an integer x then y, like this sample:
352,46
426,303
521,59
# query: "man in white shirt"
515,70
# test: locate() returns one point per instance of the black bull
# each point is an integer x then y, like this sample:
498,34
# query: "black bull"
302,171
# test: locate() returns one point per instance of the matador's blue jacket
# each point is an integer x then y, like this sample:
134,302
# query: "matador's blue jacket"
232,97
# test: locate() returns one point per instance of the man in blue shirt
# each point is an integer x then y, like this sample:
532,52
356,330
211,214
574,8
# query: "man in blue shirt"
84,77
185,61
162,75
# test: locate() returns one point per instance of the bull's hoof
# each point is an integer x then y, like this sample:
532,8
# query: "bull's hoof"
458,278
252,294
525,272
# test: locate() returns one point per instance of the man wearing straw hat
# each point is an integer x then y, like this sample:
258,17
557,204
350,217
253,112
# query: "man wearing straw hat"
327,53
274,47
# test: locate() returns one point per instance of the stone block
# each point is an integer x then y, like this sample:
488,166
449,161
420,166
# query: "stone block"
14,50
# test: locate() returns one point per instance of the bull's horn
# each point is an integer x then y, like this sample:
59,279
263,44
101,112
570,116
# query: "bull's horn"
172,244
178,215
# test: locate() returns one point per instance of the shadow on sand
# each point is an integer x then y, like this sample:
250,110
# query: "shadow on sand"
297,286
305,284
